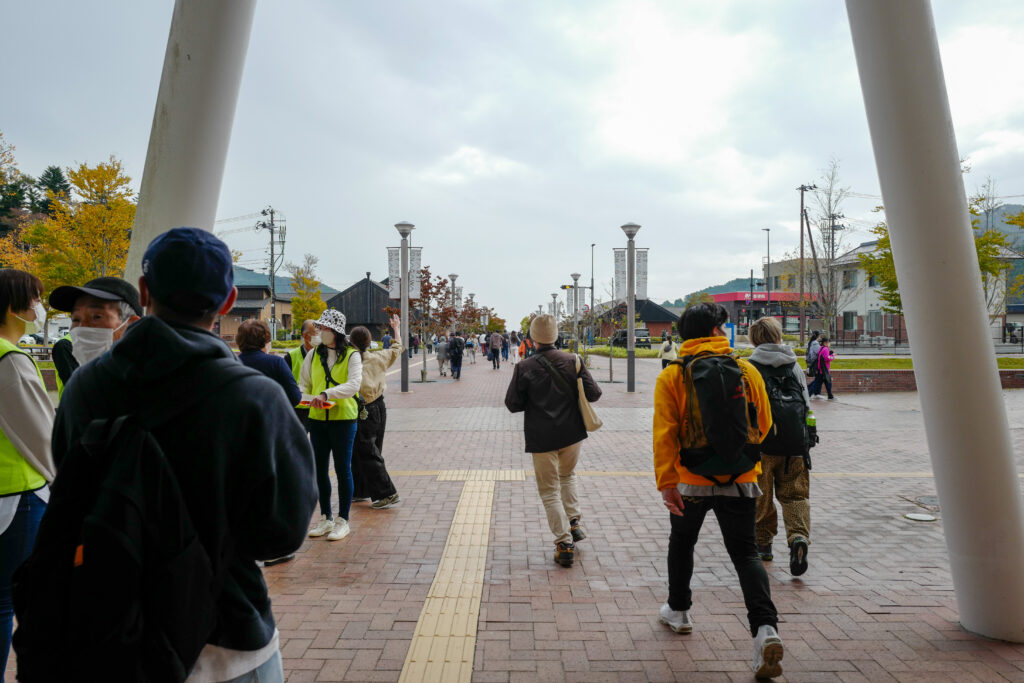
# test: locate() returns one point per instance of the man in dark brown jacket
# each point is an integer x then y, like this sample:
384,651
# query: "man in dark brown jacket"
544,385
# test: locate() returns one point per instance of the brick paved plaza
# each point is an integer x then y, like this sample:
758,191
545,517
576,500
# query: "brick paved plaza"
465,567
877,603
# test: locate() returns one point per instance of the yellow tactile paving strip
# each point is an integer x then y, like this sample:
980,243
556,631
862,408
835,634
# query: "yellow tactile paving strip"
444,642
481,475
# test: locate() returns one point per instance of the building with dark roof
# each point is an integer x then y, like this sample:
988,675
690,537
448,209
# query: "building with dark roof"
364,304
253,301
656,318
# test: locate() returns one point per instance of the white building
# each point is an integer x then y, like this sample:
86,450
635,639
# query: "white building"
861,318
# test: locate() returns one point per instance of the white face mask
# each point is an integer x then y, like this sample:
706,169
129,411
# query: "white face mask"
327,337
315,340
89,343
33,326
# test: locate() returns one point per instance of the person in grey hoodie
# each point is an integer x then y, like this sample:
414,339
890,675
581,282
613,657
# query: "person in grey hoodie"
784,476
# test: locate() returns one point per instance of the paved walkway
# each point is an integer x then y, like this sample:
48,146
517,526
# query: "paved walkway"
458,583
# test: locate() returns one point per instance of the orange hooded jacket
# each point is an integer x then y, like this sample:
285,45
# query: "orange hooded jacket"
670,413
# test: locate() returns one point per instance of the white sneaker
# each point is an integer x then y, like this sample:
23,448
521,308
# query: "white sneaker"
322,527
339,531
679,622
767,653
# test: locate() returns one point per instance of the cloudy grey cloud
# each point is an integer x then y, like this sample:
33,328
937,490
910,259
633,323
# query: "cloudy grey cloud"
515,134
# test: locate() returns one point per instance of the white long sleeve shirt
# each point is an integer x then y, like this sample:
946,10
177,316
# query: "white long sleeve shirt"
346,390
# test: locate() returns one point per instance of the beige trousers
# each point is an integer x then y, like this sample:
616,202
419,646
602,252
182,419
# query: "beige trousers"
556,482
793,489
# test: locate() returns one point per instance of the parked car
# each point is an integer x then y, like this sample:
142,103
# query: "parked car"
31,339
641,337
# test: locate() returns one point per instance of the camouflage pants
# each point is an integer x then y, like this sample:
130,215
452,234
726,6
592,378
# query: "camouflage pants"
793,490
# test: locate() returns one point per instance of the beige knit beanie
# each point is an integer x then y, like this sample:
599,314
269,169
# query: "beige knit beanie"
544,329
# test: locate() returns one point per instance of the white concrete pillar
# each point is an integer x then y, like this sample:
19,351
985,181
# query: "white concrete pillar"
954,363
195,109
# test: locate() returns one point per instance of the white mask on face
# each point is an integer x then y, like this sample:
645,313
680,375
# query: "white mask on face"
89,343
327,337
315,340
33,326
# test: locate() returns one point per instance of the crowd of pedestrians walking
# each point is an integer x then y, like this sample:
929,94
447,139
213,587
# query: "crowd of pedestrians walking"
729,436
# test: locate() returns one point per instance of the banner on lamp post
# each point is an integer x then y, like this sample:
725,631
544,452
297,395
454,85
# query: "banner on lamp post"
641,273
395,272
620,273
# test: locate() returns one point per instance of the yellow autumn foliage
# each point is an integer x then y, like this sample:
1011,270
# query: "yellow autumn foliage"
85,236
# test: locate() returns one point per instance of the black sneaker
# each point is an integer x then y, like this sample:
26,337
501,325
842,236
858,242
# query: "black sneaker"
279,560
798,556
578,534
765,552
565,553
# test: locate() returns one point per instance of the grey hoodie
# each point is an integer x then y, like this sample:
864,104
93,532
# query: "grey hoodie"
780,354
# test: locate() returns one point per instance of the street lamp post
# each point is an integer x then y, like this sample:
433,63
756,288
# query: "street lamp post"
405,228
576,308
453,277
768,272
631,229
591,340
554,306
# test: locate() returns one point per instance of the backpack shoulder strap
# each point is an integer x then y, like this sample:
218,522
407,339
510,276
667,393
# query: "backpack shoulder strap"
555,374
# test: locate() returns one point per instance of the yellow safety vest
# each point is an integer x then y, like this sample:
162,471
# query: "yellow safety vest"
295,358
16,475
60,385
344,409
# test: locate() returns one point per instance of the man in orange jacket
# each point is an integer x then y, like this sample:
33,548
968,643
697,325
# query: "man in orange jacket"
689,496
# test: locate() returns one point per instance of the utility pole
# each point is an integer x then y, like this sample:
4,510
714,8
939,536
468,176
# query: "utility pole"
630,229
591,326
274,229
803,304
768,273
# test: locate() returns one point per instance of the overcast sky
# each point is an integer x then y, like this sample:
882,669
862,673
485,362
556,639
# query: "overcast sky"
515,134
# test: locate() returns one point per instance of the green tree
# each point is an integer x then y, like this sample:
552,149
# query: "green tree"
86,234
52,182
698,298
308,302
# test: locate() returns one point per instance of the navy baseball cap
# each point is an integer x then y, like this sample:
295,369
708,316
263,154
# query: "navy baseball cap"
188,269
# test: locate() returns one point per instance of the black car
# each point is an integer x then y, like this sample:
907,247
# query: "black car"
642,338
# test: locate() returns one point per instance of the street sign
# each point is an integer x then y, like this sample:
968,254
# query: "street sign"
730,332
585,308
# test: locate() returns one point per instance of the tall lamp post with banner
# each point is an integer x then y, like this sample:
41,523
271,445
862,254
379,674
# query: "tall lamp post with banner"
631,229
405,228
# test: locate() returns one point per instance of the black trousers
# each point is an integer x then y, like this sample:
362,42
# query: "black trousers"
370,475
495,358
456,366
736,518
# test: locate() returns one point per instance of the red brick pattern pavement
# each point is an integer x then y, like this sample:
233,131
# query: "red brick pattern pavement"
876,605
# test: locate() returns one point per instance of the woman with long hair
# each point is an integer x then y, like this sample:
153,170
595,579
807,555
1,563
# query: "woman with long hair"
26,422
369,473
329,379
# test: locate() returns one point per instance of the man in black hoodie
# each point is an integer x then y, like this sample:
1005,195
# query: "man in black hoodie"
241,457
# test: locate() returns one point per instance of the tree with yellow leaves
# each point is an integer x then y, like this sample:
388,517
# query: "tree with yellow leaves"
85,236
308,302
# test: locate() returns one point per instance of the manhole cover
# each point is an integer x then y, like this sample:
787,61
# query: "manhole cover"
920,517
928,500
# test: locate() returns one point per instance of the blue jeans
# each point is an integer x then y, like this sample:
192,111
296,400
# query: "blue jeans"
337,437
270,671
456,363
15,546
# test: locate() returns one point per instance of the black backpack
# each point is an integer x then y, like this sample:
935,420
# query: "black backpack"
719,422
789,434
455,347
118,580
